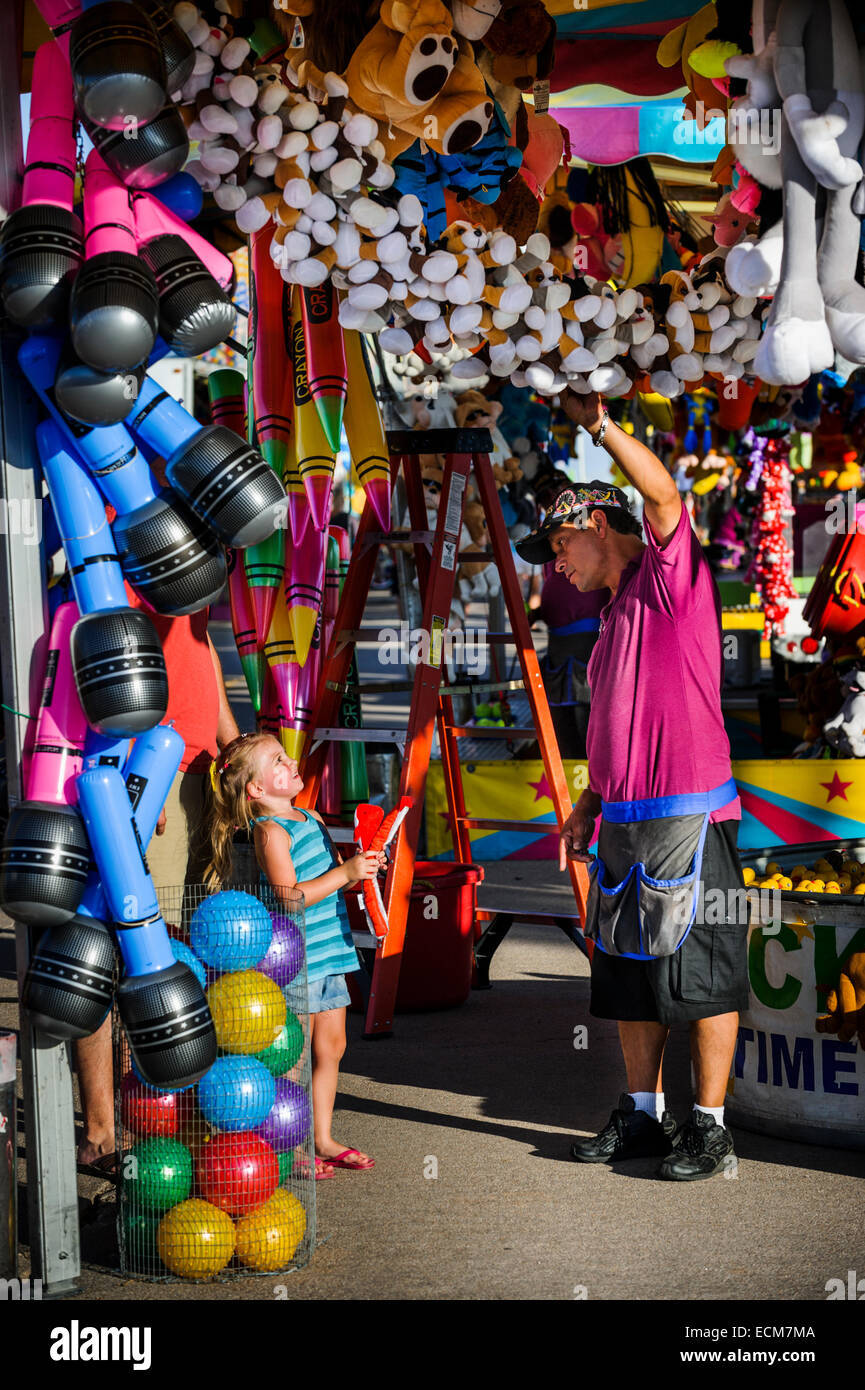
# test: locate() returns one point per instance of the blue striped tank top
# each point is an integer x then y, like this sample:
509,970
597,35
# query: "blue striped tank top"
329,947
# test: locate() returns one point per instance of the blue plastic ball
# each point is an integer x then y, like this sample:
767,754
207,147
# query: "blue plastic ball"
182,196
231,931
236,1094
182,952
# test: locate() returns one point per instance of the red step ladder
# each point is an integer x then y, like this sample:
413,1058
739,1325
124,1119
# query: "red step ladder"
466,452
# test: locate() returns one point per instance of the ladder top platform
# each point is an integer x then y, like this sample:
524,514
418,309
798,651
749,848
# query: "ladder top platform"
452,441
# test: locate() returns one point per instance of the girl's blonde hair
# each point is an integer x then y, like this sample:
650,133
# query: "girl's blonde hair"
230,808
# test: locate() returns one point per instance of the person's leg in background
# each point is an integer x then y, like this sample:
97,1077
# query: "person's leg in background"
167,859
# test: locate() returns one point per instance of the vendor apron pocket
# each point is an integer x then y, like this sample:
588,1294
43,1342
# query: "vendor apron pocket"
645,883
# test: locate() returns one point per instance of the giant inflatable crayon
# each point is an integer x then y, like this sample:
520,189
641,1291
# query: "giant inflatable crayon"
365,433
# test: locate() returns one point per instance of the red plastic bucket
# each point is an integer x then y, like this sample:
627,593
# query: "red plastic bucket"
436,971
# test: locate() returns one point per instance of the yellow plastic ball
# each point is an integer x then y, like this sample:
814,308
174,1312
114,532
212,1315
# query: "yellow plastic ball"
248,1010
195,1239
268,1237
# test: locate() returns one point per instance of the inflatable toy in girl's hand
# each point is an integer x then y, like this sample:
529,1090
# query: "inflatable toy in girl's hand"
224,480
41,243
162,1006
237,1093
118,66
114,310
45,855
231,931
374,832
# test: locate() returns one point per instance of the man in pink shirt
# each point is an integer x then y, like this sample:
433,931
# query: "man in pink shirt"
660,778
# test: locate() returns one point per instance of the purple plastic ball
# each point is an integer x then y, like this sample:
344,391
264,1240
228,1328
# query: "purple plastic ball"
290,1120
285,954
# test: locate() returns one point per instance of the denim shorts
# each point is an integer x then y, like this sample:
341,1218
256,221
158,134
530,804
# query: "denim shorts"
329,993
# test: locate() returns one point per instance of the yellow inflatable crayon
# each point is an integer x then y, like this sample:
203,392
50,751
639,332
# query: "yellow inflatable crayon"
315,458
364,431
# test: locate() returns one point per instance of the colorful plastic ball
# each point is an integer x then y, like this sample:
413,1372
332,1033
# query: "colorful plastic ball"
140,1230
285,955
230,931
268,1238
237,1173
286,1050
286,1163
182,952
290,1118
196,1239
237,1093
157,1174
148,1111
248,1011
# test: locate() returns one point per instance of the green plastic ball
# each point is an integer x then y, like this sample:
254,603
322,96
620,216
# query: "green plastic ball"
157,1175
286,1163
139,1239
285,1052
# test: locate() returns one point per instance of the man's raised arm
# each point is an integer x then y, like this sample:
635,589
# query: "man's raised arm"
662,504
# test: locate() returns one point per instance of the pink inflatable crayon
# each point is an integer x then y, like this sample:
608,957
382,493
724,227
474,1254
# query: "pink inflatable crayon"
60,724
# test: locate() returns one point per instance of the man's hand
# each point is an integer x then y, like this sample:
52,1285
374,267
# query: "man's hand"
587,411
578,830
160,824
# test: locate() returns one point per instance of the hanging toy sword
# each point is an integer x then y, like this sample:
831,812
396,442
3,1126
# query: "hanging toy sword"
373,831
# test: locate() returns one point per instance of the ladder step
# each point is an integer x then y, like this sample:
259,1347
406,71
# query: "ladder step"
448,441
407,686
482,731
364,735
472,823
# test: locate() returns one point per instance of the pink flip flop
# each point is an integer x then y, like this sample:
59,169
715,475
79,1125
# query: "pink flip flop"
323,1169
341,1160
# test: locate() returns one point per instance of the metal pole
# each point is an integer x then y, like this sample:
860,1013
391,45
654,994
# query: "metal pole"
49,1117
8,1155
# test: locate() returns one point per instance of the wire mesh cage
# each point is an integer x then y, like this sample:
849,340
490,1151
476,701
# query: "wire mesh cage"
217,1180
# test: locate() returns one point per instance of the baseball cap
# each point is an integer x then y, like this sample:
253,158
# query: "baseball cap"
573,503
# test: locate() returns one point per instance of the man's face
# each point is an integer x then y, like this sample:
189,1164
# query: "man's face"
580,553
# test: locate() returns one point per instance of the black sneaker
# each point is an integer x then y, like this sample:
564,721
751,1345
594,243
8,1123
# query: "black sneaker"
700,1150
630,1133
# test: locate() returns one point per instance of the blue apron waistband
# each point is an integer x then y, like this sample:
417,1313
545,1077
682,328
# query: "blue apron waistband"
581,625
688,804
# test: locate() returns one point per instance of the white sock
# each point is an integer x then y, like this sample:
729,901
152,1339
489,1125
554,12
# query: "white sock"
717,1112
650,1102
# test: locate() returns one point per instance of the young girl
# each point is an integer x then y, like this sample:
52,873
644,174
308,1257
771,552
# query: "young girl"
254,784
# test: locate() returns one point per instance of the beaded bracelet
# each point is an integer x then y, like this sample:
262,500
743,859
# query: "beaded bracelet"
599,437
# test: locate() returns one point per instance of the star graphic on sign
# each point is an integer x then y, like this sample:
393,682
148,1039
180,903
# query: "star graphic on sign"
836,787
542,788
446,817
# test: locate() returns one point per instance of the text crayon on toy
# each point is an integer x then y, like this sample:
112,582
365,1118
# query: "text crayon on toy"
325,356
270,421
226,389
365,434
264,566
252,661
299,516
315,458
304,589
281,656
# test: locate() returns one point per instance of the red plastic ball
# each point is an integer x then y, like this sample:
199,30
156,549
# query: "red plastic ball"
146,1111
237,1172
